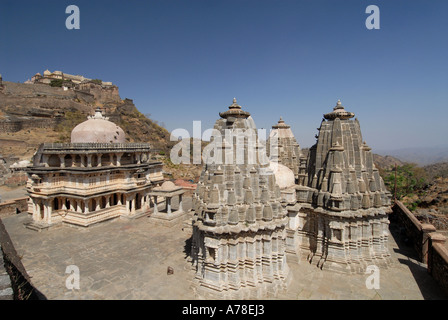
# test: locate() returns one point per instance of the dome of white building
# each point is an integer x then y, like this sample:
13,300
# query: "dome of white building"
97,129
283,175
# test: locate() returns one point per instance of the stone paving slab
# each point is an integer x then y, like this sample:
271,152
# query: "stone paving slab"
128,260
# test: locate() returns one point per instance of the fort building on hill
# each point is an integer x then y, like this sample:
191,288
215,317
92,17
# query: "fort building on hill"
49,76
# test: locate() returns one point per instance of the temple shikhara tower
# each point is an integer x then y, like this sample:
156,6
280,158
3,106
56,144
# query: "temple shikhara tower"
341,223
239,223
96,177
282,147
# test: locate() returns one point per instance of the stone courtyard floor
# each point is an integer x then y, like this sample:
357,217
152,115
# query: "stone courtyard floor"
128,260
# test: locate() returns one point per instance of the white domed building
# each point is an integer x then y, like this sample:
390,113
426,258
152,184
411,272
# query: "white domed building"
96,177
98,129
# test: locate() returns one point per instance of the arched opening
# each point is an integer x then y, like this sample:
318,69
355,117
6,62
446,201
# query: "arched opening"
56,204
41,209
137,201
77,160
94,160
53,161
68,160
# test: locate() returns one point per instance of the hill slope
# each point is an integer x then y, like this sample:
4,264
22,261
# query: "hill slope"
34,113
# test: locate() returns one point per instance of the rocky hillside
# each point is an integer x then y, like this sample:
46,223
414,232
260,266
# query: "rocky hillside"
386,162
34,113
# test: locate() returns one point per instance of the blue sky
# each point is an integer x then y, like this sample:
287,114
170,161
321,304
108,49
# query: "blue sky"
185,60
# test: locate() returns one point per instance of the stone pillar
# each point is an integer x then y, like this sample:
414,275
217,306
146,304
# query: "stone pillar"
72,156
133,205
426,230
82,157
49,211
181,209
89,160
45,212
168,205
62,160
86,206
35,210
156,210
142,202
126,200
45,160
99,159
78,206
119,155
98,204
108,202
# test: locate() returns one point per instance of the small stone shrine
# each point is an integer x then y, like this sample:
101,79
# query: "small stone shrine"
167,217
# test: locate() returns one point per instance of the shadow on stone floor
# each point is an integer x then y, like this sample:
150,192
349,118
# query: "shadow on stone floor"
428,287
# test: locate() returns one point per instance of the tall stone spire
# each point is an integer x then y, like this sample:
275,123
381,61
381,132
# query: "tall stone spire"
282,147
239,222
343,183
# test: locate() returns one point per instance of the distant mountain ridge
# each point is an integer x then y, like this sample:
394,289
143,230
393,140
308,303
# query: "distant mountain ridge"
419,155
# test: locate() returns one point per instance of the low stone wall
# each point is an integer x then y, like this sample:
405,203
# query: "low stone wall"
15,126
15,179
438,260
12,207
416,232
429,244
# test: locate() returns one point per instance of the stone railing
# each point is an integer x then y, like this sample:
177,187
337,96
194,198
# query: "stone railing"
430,245
112,147
438,259
417,232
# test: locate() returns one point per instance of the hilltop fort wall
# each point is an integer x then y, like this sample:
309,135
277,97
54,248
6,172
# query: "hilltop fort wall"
17,125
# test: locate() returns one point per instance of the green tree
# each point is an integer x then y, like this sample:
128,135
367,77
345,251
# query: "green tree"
408,180
56,83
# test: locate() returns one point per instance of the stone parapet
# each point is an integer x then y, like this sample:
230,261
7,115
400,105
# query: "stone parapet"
95,147
416,232
438,259
12,207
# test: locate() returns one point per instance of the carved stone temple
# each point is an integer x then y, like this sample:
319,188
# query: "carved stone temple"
96,177
238,245
329,209
340,221
282,147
